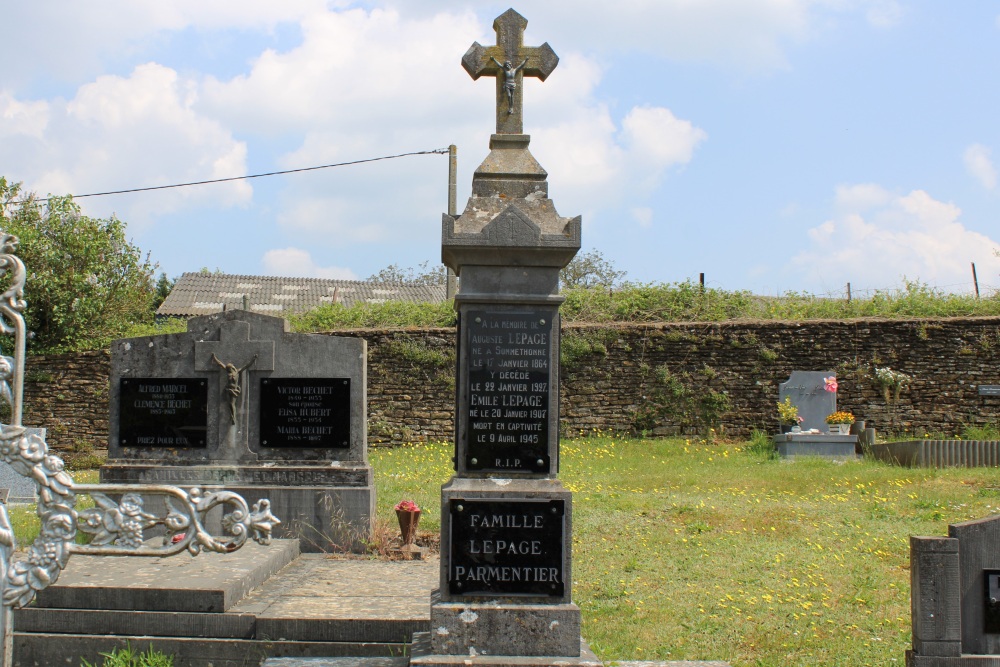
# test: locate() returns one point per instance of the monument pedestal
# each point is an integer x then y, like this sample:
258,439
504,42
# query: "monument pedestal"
327,506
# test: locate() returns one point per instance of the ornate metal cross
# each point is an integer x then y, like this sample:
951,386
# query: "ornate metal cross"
509,62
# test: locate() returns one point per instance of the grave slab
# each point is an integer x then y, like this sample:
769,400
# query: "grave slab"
184,583
838,447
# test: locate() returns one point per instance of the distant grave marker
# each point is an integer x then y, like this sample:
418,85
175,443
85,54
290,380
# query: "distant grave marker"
808,393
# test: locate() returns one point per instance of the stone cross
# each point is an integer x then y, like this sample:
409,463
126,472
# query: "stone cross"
234,347
234,351
509,62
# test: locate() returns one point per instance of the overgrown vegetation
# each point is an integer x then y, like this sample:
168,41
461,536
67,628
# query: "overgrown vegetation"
129,657
86,283
687,301
375,316
683,399
688,551
674,302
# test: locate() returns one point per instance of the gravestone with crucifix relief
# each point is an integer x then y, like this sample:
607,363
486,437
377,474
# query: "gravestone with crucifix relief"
506,520
240,401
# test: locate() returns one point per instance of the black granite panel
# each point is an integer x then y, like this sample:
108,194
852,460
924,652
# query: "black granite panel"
509,355
506,547
305,413
163,412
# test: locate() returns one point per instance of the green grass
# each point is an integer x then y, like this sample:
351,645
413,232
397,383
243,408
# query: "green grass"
692,551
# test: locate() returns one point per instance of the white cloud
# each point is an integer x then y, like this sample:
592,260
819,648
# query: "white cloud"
364,84
643,215
122,132
861,197
979,163
79,37
883,13
299,263
875,244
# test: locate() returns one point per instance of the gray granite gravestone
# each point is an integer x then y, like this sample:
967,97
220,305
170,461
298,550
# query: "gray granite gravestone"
808,394
807,389
239,401
20,489
506,520
955,596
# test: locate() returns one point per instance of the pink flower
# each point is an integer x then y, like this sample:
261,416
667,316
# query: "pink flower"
831,383
407,506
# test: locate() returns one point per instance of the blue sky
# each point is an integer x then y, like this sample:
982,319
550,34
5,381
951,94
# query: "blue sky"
772,144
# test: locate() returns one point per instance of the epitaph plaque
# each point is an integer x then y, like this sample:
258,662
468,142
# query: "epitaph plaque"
305,412
508,408
163,412
506,547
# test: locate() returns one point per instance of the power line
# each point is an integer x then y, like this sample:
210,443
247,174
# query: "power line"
436,151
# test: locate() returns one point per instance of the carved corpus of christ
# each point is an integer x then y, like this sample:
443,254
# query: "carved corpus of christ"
233,382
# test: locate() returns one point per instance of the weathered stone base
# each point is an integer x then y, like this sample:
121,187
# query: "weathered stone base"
329,507
914,660
465,629
840,447
423,656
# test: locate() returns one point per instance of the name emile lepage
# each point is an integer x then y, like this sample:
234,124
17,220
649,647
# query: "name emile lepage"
506,547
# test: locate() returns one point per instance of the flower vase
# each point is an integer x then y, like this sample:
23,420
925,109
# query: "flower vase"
408,525
840,429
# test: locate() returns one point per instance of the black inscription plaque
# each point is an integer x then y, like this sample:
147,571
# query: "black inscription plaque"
506,547
305,413
989,390
508,409
162,412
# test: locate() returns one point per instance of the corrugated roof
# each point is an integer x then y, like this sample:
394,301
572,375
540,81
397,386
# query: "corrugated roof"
207,293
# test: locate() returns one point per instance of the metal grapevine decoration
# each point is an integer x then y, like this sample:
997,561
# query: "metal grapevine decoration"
115,527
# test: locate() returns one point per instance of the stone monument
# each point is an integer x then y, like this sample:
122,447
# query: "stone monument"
506,520
809,393
238,400
955,596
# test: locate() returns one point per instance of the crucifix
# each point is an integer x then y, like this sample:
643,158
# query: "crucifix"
509,62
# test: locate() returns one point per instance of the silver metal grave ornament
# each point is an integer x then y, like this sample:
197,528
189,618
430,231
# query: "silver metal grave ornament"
116,527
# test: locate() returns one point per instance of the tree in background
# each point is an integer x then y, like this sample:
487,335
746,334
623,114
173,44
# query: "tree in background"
590,269
162,290
422,275
86,283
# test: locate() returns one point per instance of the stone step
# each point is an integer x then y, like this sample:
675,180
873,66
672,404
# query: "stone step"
134,623
45,650
316,606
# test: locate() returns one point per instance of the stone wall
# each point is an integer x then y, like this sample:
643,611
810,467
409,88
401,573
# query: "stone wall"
656,377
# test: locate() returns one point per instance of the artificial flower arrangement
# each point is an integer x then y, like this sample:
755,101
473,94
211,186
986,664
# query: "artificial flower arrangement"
840,417
788,413
830,384
407,506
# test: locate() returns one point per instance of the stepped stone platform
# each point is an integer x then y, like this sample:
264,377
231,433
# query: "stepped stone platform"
269,606
228,610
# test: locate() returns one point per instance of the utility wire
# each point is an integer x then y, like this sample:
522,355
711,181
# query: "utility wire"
436,151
